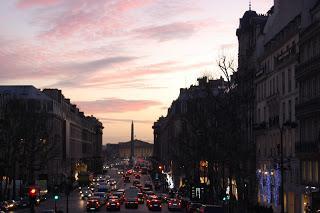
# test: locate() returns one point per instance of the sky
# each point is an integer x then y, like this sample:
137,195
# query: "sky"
119,60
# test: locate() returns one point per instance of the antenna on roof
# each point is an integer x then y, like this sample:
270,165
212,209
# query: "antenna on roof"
250,5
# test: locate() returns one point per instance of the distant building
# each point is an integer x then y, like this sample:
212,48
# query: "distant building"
65,134
141,149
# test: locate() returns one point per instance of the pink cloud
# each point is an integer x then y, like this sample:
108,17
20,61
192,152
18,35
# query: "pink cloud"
115,105
172,31
23,4
93,20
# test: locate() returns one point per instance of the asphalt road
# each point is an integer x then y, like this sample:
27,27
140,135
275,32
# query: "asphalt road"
77,205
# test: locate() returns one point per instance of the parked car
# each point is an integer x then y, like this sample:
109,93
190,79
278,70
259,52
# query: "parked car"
174,204
211,209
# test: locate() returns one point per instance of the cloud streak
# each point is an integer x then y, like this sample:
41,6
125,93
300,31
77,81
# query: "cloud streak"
172,31
116,105
26,4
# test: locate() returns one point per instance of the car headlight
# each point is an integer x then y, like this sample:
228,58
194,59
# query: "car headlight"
89,195
10,205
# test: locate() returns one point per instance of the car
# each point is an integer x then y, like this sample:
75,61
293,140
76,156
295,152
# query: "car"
102,197
93,203
148,184
155,204
139,186
119,195
129,172
126,179
145,189
112,182
137,176
163,198
174,204
23,202
85,188
131,202
149,198
9,205
131,197
86,194
121,190
148,193
193,207
135,182
211,209
140,198
113,203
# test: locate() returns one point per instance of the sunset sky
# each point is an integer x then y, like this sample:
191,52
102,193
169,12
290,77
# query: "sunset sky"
119,60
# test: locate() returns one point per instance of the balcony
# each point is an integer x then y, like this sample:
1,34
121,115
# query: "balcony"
308,107
307,148
308,67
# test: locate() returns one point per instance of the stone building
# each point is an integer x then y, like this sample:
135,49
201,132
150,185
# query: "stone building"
70,136
141,149
276,36
308,109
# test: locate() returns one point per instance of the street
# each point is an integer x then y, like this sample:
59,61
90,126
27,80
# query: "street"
78,205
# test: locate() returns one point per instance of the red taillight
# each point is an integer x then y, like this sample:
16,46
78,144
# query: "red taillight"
170,203
108,204
118,204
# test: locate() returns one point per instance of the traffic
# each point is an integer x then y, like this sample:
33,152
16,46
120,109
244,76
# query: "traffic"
121,188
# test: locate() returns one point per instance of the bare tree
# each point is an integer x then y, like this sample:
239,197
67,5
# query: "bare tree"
28,144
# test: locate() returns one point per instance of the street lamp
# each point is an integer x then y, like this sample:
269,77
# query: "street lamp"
290,125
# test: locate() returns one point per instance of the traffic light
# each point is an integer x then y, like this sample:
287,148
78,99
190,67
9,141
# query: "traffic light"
32,192
56,193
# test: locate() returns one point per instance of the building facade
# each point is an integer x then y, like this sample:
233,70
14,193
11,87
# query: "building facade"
276,37
308,109
70,136
141,149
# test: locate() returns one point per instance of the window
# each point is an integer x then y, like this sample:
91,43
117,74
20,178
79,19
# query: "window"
283,112
310,171
304,171
316,172
283,83
264,114
289,80
289,110
270,87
